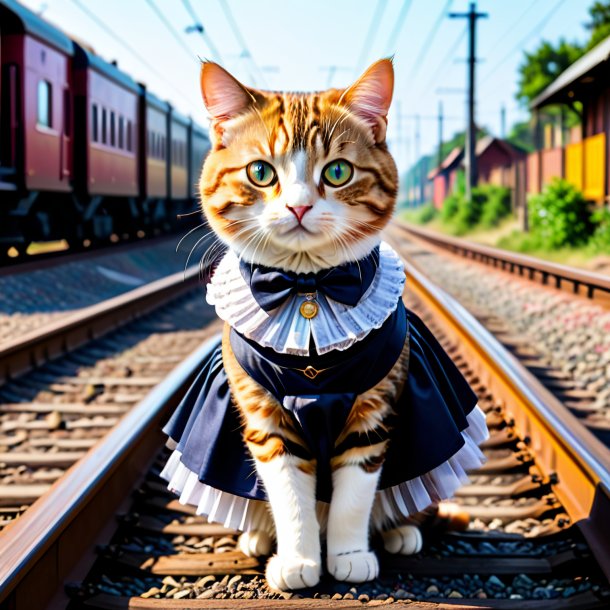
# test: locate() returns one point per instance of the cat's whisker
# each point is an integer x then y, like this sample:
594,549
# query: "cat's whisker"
187,234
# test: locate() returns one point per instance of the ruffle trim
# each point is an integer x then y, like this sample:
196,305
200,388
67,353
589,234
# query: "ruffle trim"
336,327
391,504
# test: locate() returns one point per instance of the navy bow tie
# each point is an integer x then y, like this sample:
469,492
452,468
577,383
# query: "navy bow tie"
346,284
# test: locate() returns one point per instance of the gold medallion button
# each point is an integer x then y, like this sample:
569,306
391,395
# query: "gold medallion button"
309,309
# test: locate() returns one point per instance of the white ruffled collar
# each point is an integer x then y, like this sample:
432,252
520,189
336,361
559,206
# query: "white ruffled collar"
285,330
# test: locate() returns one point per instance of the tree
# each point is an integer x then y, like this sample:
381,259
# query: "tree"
522,136
599,26
541,67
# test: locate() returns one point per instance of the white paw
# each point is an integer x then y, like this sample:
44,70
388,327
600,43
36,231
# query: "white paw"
406,540
285,574
255,543
359,566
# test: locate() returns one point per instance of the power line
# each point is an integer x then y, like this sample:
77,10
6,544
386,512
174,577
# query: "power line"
240,39
101,24
370,35
171,29
391,46
444,63
206,37
535,30
428,42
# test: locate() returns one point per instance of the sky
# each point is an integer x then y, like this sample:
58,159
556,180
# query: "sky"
309,45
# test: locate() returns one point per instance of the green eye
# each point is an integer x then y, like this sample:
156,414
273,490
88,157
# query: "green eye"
261,173
338,173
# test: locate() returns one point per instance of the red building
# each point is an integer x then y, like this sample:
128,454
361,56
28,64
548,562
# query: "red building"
498,163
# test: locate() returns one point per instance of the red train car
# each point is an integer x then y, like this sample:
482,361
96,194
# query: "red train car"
85,152
106,125
35,124
179,156
199,147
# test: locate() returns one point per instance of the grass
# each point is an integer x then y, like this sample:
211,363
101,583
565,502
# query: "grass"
509,236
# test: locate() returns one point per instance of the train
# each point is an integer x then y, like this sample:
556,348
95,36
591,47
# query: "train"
87,154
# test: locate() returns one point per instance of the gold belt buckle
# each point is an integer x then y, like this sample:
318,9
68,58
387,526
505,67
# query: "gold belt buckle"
310,372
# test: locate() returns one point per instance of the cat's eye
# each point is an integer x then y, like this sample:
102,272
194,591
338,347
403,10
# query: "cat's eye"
261,173
338,173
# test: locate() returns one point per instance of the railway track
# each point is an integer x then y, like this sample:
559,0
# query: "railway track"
562,338
540,509
67,384
595,286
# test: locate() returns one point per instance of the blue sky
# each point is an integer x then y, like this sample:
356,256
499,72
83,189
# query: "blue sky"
293,44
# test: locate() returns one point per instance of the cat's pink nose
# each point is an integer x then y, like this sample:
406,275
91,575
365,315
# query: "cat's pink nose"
299,210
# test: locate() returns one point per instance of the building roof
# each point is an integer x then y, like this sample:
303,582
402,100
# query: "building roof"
17,18
456,156
87,58
577,74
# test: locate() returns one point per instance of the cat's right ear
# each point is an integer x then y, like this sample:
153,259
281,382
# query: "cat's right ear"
224,97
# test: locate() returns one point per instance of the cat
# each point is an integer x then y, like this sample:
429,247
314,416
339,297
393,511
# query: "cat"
322,373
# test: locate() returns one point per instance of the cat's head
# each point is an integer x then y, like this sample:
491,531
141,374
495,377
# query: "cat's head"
299,181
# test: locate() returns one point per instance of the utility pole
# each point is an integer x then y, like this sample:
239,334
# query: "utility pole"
440,134
471,162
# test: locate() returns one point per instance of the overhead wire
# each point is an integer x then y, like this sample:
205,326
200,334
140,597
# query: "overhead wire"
370,35
203,31
240,39
535,30
445,62
428,41
106,28
170,28
392,40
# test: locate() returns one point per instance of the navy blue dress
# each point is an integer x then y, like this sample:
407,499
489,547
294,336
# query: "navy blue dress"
430,414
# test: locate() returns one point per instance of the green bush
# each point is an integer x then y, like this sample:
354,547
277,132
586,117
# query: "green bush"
559,216
469,211
496,207
450,207
599,243
426,213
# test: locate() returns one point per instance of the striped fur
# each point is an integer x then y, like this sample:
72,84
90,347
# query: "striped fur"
299,134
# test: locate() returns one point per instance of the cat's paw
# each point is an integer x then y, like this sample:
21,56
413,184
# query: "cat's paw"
359,566
255,543
404,540
285,574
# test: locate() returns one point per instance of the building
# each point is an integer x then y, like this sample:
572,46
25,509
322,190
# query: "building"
498,162
581,155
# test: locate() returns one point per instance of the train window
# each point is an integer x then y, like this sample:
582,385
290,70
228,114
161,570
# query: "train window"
121,131
94,126
129,142
104,131
112,129
44,113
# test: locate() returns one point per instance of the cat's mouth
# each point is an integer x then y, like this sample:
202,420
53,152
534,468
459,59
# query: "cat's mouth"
298,229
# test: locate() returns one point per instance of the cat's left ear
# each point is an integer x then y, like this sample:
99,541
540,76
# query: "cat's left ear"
371,95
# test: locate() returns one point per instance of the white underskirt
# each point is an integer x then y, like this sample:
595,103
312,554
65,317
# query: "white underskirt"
391,504
285,330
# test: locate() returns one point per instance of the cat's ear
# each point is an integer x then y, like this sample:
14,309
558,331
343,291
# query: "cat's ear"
223,95
370,96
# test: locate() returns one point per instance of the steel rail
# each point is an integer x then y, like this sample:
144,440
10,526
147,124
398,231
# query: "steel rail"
515,263
41,547
57,338
564,449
